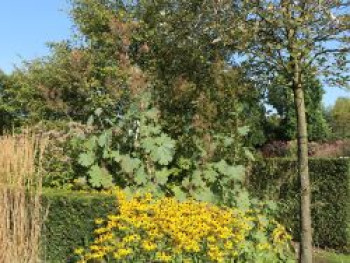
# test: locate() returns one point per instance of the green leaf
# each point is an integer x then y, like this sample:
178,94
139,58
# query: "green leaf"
235,172
156,130
141,176
163,154
90,120
228,141
90,144
175,171
204,195
99,177
115,155
186,182
98,112
221,167
86,159
152,114
249,154
178,193
243,201
148,144
210,175
185,163
243,131
165,141
104,138
197,179
260,237
162,176
129,192
129,164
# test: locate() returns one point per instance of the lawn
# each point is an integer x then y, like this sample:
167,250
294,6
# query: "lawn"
331,257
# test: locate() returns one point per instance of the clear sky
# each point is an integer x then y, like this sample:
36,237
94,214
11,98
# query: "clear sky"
26,27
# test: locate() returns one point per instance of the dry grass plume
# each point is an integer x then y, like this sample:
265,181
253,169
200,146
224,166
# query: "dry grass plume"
20,194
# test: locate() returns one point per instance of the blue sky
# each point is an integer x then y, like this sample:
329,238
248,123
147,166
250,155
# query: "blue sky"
26,27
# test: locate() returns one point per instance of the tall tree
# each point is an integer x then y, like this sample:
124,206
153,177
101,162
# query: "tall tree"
280,96
340,114
2,108
178,44
9,110
197,89
292,37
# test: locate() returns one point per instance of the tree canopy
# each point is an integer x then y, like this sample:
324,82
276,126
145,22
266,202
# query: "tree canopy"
341,117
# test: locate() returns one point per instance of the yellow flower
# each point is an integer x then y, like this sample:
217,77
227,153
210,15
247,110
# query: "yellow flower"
78,251
123,252
99,221
169,230
163,257
101,230
264,246
149,246
229,245
211,239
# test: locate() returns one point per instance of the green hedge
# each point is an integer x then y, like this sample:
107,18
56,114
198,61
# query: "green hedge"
70,221
277,179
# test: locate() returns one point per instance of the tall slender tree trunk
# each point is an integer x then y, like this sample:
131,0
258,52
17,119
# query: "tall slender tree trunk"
305,251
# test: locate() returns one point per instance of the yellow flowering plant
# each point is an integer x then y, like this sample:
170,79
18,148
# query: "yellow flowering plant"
167,230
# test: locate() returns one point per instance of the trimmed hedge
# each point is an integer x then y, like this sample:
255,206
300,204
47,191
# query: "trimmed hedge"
70,221
277,179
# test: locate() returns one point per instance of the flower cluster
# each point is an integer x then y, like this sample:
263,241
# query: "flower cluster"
166,230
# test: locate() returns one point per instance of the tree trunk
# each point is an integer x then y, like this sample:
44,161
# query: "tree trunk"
305,251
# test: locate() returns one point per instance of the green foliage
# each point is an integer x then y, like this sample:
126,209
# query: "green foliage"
9,109
3,109
70,221
135,154
143,116
276,179
196,95
340,118
183,56
150,109
59,161
138,155
66,85
195,89
295,36
281,98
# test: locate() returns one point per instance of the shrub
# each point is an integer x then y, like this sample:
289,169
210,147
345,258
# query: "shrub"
59,160
275,148
277,179
337,148
70,221
166,230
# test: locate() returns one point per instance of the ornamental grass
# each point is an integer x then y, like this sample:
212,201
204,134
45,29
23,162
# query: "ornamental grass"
20,192
166,230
